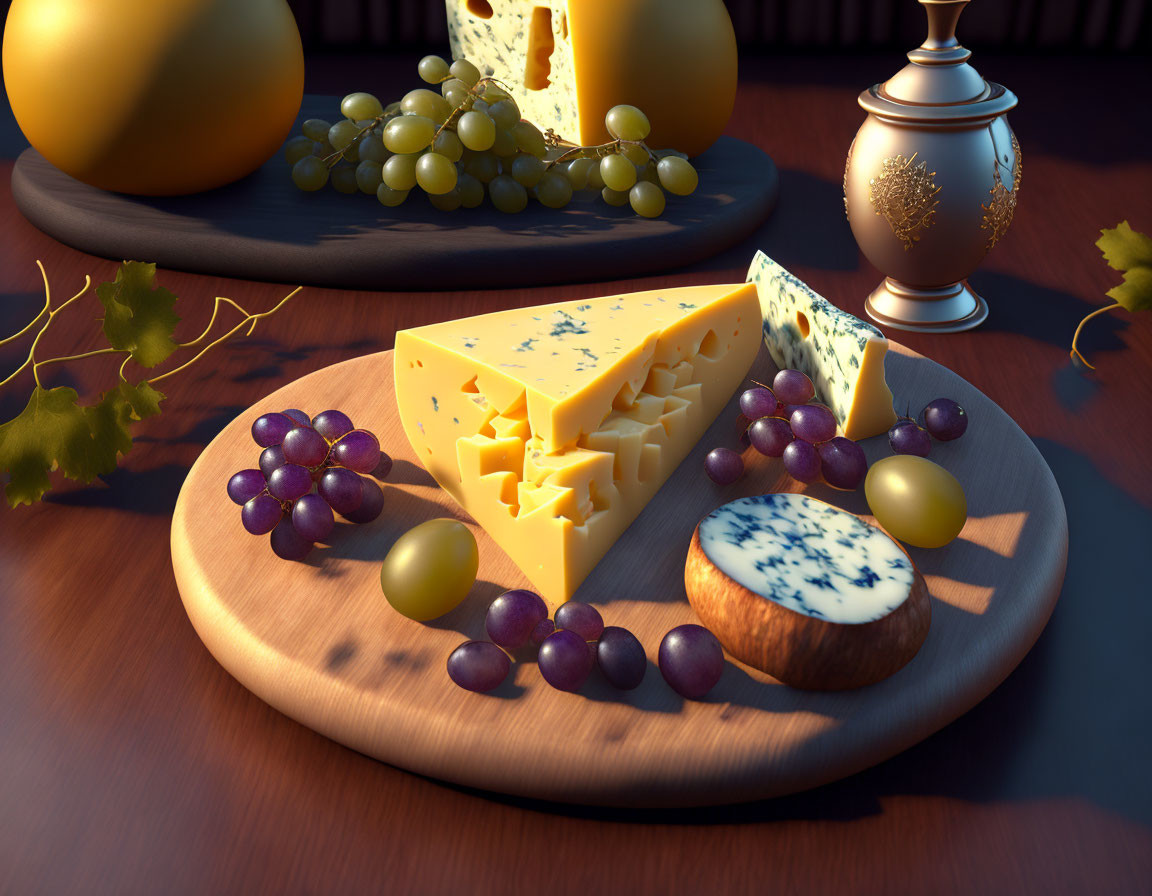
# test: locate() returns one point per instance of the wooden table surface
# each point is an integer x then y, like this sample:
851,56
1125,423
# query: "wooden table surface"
131,762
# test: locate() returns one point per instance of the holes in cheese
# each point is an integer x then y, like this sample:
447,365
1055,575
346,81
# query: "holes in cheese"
841,354
540,47
554,426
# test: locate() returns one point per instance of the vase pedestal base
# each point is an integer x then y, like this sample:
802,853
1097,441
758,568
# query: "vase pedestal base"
949,309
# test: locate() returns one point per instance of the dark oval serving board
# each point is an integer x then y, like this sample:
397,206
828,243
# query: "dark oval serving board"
263,228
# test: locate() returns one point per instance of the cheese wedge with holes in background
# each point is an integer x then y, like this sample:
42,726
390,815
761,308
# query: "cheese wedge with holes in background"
841,354
554,426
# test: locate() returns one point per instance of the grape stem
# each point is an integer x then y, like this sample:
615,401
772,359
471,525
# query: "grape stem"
52,312
1075,353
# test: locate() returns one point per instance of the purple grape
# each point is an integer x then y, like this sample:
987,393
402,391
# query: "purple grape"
261,514
313,518
945,419
802,461
287,543
371,503
270,429
565,660
583,619
621,658
770,436
332,424
813,423
513,616
304,446
289,482
298,415
842,463
245,486
384,467
691,660
758,402
723,466
271,459
358,450
906,437
341,489
478,666
793,387
543,629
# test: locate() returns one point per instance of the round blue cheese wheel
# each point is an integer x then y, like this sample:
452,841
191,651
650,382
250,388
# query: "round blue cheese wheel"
809,557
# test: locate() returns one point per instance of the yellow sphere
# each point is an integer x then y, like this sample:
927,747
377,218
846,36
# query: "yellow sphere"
917,501
154,97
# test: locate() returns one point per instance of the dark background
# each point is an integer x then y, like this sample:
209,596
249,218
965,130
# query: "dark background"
1042,26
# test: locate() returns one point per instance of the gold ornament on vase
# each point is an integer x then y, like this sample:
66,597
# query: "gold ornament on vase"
931,181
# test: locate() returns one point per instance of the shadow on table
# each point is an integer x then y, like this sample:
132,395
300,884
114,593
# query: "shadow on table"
1056,728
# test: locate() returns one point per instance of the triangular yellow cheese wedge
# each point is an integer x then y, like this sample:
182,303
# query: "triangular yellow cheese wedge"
553,426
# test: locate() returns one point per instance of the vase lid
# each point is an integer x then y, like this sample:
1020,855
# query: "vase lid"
938,83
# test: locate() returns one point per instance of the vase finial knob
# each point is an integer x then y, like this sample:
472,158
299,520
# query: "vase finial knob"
942,18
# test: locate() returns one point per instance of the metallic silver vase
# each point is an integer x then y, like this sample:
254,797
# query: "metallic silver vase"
931,181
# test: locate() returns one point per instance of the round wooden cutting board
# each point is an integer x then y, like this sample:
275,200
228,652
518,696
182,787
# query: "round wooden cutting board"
263,228
318,641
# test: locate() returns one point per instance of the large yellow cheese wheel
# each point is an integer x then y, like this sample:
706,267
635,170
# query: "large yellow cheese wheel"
154,97
675,59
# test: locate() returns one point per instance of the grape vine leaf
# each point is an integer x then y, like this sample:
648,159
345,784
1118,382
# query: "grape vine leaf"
55,432
137,316
1129,251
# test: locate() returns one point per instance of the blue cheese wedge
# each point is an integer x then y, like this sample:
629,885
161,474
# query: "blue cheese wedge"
806,592
841,354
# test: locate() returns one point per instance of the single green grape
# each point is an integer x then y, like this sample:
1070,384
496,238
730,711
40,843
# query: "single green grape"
343,178
446,202
372,149
356,106
577,172
465,71
399,172
476,130
527,170
457,97
648,173
614,197
390,197
505,113
554,190
453,84
341,134
529,139
481,106
484,167
617,172
368,176
310,174
409,133
448,145
627,123
351,152
595,181
504,145
435,174
296,148
493,93
392,109
427,103
507,195
635,153
471,190
316,129
677,175
432,69
647,200
322,148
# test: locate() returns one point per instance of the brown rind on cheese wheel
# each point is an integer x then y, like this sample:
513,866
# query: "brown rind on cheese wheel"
799,650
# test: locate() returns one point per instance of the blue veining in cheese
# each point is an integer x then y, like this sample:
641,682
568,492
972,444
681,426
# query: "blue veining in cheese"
841,354
808,556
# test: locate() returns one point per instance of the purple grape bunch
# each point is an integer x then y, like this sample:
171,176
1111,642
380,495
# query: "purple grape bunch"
575,642
310,469
785,421
944,420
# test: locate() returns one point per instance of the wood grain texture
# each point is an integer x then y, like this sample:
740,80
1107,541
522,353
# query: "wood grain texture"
131,762
263,228
318,641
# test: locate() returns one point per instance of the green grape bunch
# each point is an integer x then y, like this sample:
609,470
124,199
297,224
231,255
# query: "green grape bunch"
468,141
